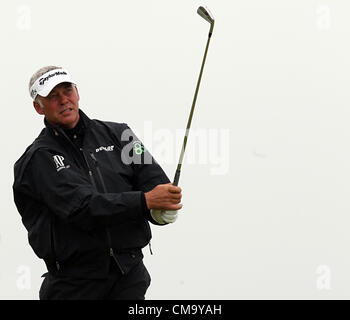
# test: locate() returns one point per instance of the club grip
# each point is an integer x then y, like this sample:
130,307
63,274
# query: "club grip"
177,177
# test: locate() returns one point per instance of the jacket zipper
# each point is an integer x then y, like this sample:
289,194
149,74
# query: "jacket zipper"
111,253
99,172
89,170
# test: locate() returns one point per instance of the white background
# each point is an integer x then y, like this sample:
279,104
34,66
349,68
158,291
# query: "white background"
274,225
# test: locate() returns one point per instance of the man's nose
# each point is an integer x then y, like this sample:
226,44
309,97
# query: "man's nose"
62,98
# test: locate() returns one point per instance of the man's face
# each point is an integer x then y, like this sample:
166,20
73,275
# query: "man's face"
61,106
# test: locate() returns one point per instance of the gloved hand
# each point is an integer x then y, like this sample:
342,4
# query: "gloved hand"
164,216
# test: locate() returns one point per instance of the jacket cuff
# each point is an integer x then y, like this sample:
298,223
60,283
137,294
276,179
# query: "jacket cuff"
147,212
144,207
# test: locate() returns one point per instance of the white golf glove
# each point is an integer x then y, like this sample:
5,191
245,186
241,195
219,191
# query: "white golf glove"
163,217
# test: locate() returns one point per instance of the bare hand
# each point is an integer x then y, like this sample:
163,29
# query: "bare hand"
164,197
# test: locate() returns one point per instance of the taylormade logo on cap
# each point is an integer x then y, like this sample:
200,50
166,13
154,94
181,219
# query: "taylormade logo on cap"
43,85
57,73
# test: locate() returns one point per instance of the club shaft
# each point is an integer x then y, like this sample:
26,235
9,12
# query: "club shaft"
178,170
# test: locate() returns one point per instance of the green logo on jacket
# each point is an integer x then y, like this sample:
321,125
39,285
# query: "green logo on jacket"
138,147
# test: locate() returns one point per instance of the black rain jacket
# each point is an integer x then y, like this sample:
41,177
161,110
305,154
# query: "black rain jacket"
85,208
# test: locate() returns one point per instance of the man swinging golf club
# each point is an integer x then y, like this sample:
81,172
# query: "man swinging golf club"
86,209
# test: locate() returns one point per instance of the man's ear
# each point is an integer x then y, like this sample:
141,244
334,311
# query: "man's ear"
38,107
76,89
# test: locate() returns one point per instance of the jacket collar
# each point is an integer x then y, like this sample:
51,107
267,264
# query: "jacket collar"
57,130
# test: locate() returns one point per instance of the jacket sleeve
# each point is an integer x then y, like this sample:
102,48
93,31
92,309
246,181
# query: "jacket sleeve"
68,193
147,172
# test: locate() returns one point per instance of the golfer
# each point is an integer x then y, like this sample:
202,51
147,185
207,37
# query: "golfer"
86,191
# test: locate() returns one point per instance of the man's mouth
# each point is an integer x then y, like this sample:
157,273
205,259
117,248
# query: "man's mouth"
66,111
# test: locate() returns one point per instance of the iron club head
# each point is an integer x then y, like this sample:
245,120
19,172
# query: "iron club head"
206,14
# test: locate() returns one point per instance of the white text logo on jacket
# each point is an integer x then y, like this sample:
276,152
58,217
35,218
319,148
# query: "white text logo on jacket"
109,148
59,163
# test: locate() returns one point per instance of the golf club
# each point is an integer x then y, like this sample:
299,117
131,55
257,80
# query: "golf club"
206,15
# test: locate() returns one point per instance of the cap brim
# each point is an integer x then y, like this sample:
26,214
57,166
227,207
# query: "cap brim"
45,91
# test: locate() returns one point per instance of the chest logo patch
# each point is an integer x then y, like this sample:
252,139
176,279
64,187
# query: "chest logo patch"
59,163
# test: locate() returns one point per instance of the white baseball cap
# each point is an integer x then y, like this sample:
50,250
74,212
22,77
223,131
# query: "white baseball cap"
44,84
